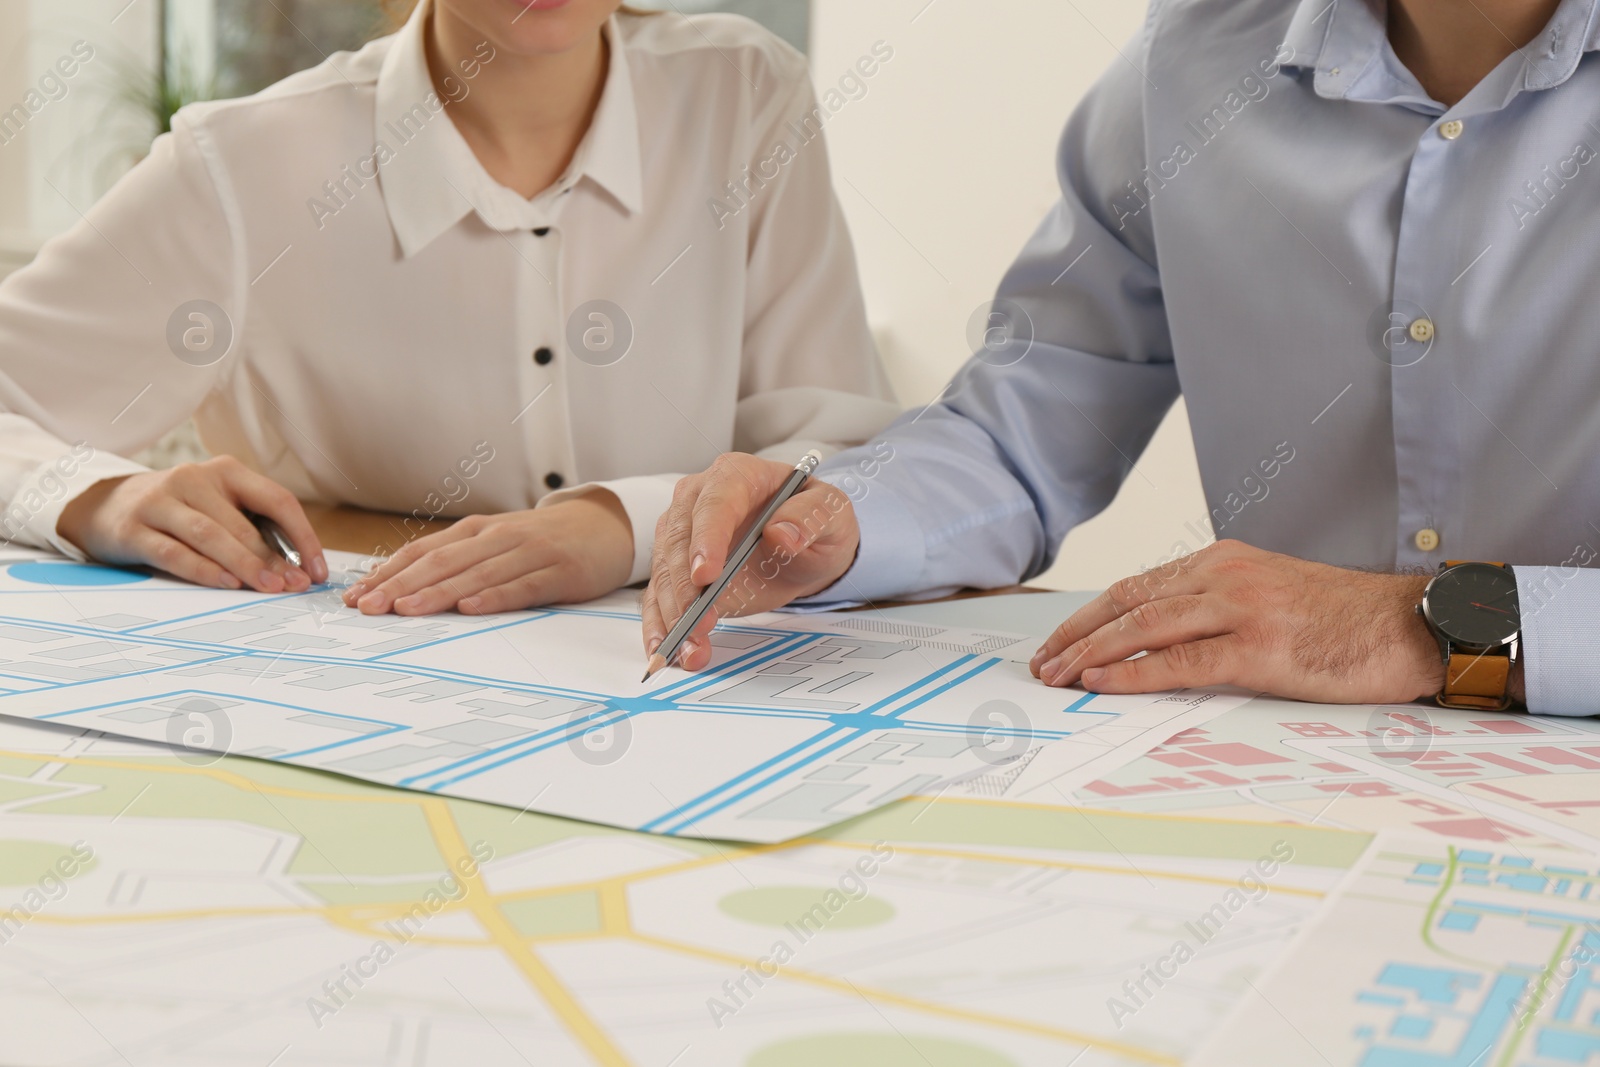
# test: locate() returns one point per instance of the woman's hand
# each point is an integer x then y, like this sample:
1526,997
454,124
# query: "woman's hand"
189,521
566,553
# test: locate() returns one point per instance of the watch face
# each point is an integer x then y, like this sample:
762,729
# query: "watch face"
1475,604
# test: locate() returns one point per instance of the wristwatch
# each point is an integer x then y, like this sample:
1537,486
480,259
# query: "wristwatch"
1473,612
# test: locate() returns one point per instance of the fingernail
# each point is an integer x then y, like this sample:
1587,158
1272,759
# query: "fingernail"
788,531
653,643
1038,658
319,568
1092,677
229,581
373,601
469,605
354,592
298,578
695,565
269,581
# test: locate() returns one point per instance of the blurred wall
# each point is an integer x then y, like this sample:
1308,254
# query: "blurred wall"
66,137
944,168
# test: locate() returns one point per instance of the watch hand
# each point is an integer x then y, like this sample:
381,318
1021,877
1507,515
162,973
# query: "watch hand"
1486,607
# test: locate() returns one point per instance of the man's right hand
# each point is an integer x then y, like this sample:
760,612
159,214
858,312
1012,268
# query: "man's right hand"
189,521
809,543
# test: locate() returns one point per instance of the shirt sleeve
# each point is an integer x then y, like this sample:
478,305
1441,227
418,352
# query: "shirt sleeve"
1038,430
91,334
1560,639
810,377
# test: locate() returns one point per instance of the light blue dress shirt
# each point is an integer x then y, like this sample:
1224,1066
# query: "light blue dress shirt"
1383,314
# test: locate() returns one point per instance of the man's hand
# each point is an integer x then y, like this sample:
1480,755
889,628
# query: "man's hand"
563,554
189,522
809,543
1235,615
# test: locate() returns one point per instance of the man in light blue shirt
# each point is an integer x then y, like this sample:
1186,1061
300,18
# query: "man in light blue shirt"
1356,239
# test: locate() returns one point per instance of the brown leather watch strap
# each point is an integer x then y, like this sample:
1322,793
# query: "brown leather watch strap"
1458,562
1476,680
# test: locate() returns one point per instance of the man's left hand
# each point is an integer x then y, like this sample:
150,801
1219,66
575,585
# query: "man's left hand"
1231,614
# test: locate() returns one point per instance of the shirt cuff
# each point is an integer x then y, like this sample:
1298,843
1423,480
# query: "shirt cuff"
645,498
32,514
891,555
1560,618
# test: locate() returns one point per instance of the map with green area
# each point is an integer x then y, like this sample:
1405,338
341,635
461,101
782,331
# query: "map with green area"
162,906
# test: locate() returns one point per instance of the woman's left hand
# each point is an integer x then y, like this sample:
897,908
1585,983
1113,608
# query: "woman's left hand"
566,553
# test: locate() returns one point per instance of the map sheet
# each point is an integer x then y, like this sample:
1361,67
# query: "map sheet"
1435,954
242,913
1530,781
801,721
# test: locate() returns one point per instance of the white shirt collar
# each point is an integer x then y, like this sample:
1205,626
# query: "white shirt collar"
430,177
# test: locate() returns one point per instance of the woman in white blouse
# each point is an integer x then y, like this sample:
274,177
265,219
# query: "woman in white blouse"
524,260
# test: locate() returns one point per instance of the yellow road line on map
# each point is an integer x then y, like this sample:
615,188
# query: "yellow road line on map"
238,781
614,908
614,911
840,985
1072,865
1112,813
453,847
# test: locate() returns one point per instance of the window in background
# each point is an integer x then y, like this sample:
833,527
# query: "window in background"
789,19
258,44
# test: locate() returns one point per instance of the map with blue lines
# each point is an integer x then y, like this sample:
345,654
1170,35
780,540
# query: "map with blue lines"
802,721
1435,954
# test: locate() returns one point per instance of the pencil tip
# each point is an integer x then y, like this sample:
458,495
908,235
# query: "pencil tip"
646,678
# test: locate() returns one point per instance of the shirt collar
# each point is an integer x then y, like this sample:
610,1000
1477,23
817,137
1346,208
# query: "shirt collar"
430,177
1340,39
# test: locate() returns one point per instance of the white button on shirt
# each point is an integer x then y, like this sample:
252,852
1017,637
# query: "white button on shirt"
383,300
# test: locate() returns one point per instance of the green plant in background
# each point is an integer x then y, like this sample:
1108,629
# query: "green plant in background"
159,93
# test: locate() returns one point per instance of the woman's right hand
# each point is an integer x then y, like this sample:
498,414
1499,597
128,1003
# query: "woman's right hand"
189,521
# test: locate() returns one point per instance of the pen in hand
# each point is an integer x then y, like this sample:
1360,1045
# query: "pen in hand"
741,555
275,538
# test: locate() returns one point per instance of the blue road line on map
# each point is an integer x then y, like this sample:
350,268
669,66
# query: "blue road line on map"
520,621
850,738
710,794
545,746
799,750
266,598
854,735
235,698
754,658
923,698
532,739
393,728
694,683
1080,702
285,656
67,629
117,678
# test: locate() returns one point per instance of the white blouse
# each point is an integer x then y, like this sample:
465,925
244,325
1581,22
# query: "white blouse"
325,277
